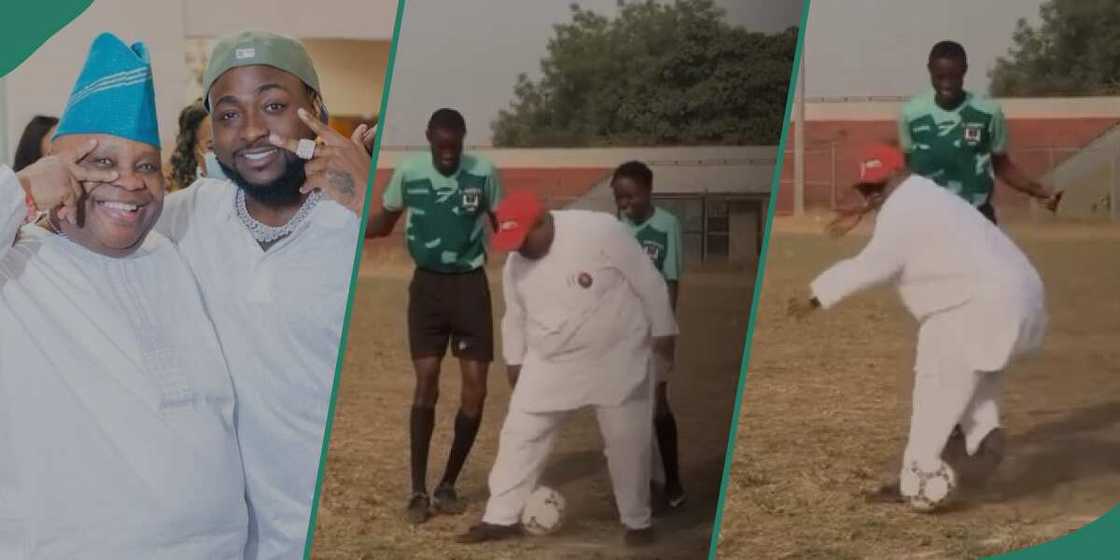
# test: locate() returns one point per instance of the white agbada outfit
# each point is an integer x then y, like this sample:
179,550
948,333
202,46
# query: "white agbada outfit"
279,316
979,300
116,406
579,321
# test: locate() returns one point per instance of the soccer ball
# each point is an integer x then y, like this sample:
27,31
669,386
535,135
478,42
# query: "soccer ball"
928,489
544,511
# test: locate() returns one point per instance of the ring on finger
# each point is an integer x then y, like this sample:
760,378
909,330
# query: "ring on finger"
306,148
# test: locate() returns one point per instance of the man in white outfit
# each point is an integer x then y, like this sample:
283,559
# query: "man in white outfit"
979,300
116,406
273,247
585,311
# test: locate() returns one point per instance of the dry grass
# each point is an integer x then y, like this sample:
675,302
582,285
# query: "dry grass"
826,411
366,482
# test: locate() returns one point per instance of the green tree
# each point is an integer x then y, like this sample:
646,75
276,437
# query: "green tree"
657,73
1075,50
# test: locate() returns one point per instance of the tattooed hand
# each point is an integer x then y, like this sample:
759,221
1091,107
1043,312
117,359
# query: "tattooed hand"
340,167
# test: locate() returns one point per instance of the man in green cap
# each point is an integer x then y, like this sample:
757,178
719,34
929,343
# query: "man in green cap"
272,247
116,405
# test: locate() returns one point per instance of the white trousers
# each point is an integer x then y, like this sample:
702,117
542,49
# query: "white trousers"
526,441
947,392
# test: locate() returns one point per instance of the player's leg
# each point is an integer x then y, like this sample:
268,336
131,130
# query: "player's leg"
665,426
627,439
467,421
473,343
943,388
983,435
941,393
428,334
524,445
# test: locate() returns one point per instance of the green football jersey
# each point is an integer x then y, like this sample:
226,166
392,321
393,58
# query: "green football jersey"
954,148
446,215
660,236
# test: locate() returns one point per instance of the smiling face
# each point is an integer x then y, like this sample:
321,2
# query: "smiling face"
947,77
248,103
632,198
120,214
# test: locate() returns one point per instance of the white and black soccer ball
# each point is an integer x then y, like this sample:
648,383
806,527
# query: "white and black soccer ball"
928,489
544,511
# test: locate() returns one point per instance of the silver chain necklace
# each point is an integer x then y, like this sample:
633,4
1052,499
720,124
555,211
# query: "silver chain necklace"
264,233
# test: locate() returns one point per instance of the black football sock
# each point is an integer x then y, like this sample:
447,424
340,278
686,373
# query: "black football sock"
466,429
666,427
421,421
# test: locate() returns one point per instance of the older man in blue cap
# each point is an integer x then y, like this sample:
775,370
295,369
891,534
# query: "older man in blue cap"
272,248
116,405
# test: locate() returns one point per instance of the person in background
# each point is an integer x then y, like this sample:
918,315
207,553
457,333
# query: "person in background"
659,232
447,196
194,148
35,141
959,140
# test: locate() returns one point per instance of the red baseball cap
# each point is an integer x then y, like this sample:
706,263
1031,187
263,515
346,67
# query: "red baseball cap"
878,162
517,213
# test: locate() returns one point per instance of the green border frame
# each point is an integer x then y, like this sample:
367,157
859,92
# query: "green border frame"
775,184
27,25
386,91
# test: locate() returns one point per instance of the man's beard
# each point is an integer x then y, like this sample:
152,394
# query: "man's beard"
283,191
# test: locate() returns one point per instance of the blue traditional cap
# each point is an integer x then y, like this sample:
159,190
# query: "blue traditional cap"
114,94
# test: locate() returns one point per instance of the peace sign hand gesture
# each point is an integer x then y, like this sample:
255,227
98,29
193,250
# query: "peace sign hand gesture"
58,180
339,166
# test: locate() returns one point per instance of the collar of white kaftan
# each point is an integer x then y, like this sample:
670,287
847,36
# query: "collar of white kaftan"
153,242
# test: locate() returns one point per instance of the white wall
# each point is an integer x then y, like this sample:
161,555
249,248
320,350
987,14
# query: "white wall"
42,84
337,19
351,74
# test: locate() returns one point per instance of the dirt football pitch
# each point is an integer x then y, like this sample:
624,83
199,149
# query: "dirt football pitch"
367,482
827,406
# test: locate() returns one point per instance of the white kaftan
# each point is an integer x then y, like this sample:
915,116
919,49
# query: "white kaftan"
279,317
579,321
116,406
979,300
